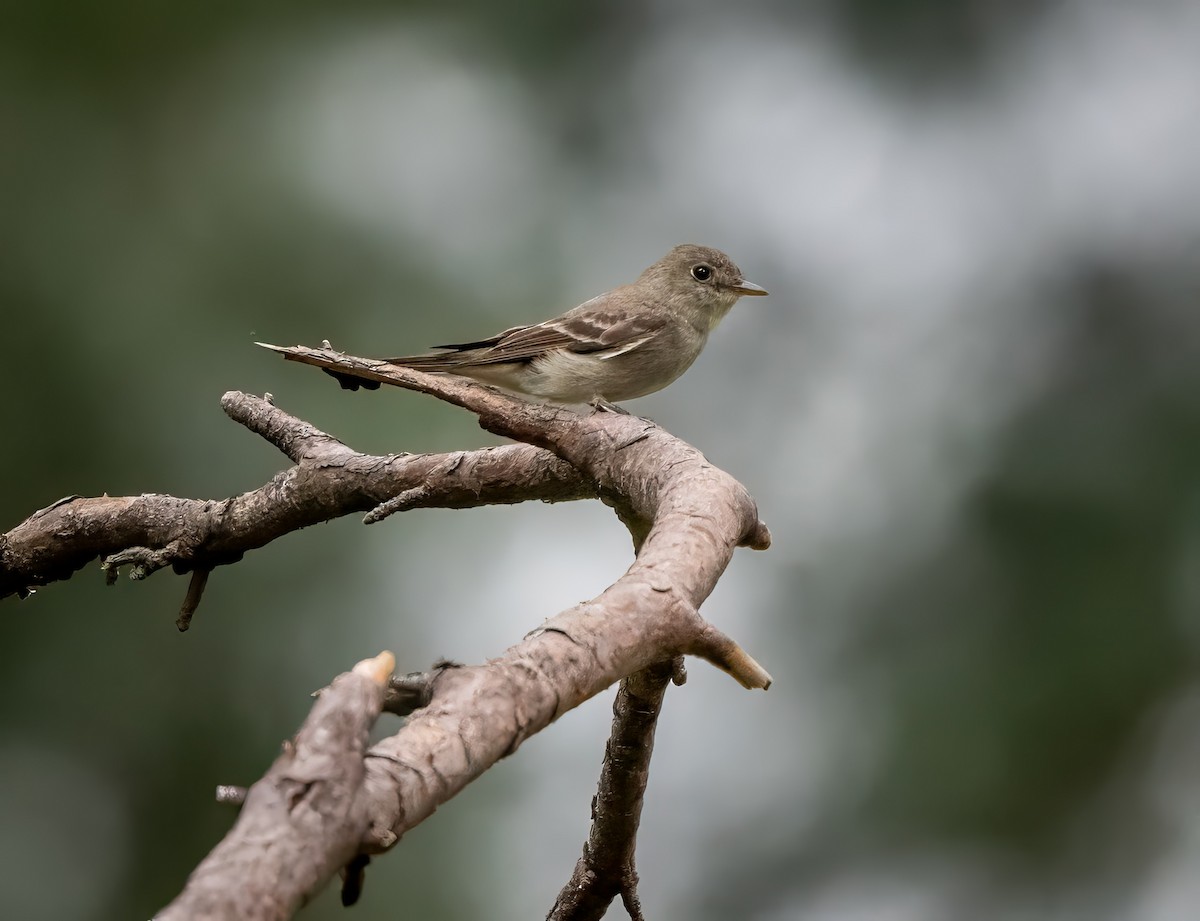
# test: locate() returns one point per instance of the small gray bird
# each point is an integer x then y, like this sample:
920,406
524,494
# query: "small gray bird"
627,343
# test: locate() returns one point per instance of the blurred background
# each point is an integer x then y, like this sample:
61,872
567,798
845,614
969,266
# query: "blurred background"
970,414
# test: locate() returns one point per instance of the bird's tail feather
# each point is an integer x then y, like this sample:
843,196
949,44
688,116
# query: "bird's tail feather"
451,360
443,361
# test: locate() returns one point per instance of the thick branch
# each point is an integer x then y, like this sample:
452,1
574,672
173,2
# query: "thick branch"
329,481
302,822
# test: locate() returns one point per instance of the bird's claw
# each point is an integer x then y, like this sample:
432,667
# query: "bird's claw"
601,405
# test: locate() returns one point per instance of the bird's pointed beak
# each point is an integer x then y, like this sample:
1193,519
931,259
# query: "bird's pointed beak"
749,288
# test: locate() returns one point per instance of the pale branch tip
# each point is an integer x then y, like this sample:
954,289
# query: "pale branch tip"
379,668
718,649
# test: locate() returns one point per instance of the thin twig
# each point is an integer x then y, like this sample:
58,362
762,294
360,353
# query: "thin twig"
192,600
606,868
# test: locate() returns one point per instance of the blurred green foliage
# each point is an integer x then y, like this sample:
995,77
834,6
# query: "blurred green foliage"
997,666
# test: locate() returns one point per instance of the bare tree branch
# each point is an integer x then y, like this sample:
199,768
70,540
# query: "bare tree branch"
301,823
606,868
329,480
686,518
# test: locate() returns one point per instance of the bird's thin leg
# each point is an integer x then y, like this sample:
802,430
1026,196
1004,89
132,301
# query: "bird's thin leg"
601,405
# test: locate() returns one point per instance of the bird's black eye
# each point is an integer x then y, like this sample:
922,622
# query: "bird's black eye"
701,272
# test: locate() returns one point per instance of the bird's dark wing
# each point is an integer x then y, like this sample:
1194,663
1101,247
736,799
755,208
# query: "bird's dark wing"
598,326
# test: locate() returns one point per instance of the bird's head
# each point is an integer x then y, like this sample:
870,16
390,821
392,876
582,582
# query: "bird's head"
701,279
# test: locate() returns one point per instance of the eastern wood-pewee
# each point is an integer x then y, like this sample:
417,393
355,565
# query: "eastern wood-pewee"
627,343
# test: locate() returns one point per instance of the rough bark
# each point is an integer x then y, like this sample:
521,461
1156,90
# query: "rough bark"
329,480
606,868
327,804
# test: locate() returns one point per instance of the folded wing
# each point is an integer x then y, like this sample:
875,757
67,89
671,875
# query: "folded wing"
591,328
